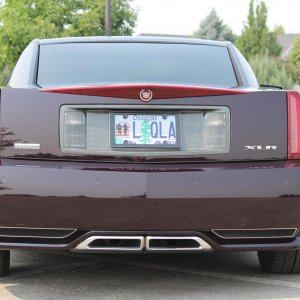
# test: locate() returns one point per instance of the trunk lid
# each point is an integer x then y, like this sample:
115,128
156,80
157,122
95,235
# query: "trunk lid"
256,122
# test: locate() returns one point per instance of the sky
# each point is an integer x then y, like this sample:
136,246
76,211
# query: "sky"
182,17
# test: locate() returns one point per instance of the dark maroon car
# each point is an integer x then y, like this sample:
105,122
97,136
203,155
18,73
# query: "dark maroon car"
146,145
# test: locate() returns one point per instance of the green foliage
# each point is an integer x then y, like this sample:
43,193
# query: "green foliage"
271,71
256,39
274,48
90,21
278,29
293,63
213,28
24,20
5,74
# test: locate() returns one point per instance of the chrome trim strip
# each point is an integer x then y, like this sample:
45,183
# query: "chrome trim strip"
203,246
72,230
259,229
109,107
26,146
84,246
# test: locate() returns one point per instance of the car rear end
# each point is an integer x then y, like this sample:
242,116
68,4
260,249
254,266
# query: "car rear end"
147,145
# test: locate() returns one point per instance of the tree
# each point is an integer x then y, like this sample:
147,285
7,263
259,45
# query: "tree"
145,132
271,71
274,48
5,72
279,29
213,28
91,21
256,39
293,63
24,20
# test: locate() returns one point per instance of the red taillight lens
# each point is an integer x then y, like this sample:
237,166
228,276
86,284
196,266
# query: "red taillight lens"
294,125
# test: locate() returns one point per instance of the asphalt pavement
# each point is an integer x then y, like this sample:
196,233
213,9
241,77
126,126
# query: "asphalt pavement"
60,275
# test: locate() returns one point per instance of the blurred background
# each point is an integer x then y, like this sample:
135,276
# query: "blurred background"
267,32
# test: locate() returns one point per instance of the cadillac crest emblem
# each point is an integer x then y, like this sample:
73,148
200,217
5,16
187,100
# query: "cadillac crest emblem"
146,95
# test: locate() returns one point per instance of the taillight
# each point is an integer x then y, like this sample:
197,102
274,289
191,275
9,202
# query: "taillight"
294,125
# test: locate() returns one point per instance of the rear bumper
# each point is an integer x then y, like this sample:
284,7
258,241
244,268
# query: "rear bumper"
150,199
73,242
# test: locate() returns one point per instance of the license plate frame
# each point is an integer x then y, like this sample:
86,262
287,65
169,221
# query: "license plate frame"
174,116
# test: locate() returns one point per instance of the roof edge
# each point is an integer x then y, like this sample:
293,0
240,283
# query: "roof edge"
132,39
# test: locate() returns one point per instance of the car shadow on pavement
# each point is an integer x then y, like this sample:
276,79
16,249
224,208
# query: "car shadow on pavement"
63,275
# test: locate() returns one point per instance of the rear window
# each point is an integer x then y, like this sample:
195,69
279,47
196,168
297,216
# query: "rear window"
77,64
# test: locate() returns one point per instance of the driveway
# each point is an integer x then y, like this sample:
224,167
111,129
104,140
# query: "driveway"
55,275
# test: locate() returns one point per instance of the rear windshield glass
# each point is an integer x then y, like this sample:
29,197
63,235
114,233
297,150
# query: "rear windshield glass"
81,64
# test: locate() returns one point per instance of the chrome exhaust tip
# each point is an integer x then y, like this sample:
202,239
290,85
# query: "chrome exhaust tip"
176,244
111,244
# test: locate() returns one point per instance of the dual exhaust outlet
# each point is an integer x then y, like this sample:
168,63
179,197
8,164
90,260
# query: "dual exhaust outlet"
143,244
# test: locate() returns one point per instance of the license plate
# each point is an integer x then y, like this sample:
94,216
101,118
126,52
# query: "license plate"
145,130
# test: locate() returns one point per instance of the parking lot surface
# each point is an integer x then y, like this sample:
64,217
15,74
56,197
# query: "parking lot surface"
56,275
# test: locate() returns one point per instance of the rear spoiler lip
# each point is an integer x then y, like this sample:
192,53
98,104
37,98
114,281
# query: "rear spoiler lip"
134,91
